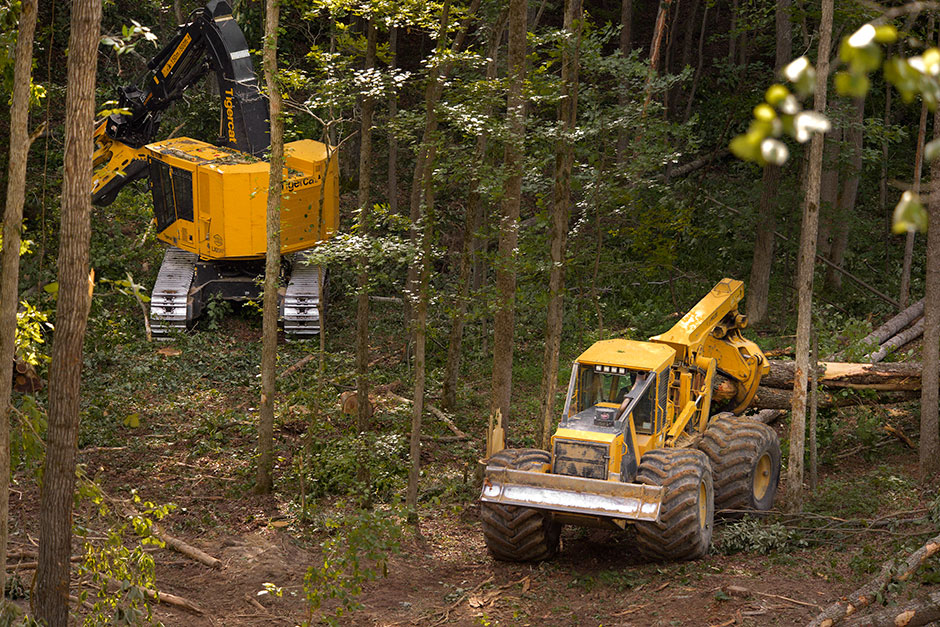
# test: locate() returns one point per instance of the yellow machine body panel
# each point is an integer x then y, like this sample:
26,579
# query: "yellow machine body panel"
696,325
212,201
629,354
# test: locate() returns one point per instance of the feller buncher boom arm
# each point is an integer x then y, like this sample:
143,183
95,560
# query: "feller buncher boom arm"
710,333
211,41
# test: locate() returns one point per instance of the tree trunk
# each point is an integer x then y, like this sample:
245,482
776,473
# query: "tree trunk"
883,181
362,313
732,33
426,229
392,138
626,27
759,284
698,66
472,221
504,317
10,259
805,274
626,46
558,231
74,300
659,33
845,205
918,169
929,410
924,611
272,264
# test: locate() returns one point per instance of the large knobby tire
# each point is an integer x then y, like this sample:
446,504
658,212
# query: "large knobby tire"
745,458
684,530
519,534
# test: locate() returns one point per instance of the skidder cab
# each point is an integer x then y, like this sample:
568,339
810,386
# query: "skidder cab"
637,443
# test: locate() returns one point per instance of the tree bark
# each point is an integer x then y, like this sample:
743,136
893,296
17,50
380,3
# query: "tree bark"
759,284
834,374
472,222
909,239
805,270
659,33
392,138
913,614
907,335
929,410
504,317
558,230
867,594
10,255
74,300
845,204
272,264
362,311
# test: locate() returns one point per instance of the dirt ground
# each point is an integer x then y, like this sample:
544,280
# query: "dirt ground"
445,576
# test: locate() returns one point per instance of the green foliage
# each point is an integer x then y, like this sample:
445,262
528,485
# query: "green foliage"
119,568
356,553
31,326
217,309
334,464
757,536
27,427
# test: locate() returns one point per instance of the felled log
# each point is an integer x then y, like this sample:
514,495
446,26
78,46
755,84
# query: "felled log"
889,376
894,325
864,596
913,614
896,342
777,398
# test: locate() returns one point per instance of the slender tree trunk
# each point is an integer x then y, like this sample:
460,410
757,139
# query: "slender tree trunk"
558,233
433,91
930,377
10,256
805,270
626,46
904,296
504,318
883,182
74,300
659,33
698,65
845,204
426,229
272,263
759,284
733,33
472,222
362,313
392,138
626,27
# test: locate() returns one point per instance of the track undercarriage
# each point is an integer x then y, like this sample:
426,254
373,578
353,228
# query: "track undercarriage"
185,284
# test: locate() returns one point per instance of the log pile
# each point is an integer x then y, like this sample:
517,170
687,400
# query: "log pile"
887,383
905,327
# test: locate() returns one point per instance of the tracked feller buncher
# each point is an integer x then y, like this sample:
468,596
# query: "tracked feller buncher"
209,200
637,444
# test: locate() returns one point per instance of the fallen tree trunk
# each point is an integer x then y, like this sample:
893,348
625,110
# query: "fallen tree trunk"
865,595
835,374
913,614
776,398
895,324
897,342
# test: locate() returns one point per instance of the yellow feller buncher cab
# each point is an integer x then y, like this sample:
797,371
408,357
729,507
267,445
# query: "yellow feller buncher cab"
637,443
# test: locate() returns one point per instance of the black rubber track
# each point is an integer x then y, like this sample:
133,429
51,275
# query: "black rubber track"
679,534
519,534
734,444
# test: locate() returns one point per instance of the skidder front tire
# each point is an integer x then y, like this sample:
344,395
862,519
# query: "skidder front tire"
684,530
519,534
745,458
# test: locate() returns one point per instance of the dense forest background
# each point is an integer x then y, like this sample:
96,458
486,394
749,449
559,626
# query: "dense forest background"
659,211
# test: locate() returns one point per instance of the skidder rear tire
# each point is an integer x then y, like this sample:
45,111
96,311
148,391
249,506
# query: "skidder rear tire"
745,458
519,534
684,530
